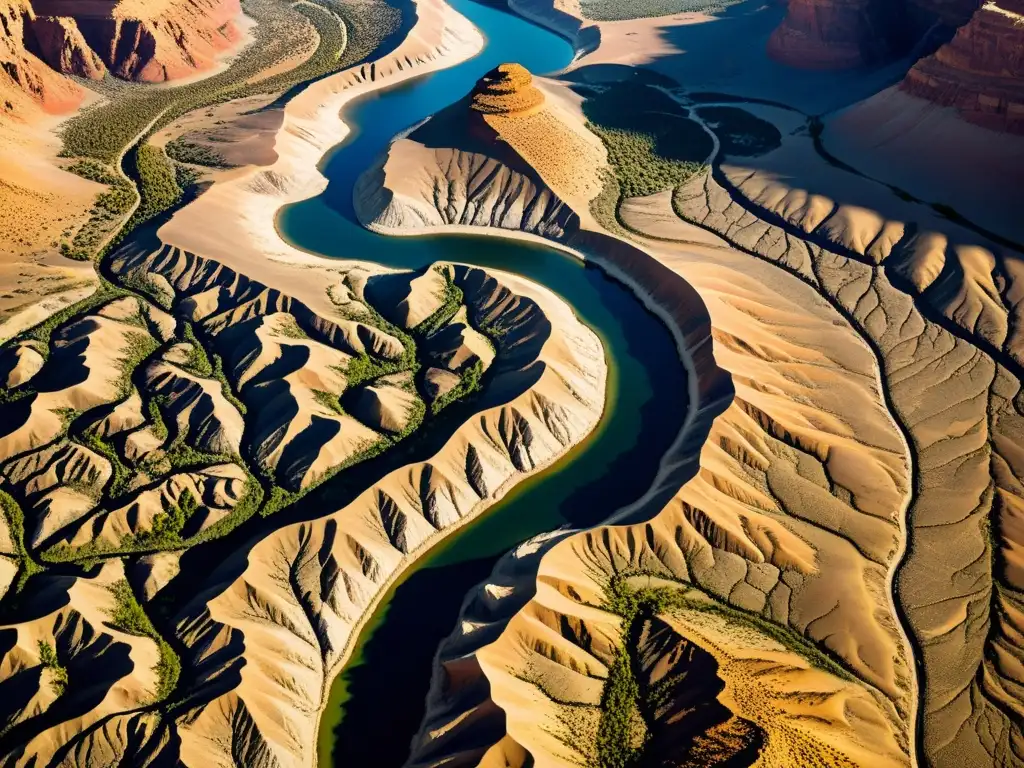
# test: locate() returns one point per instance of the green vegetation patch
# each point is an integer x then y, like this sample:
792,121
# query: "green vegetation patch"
617,10
621,731
15,518
652,143
129,617
185,151
48,658
451,303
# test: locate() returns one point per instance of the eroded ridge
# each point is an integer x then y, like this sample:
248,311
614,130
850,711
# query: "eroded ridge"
186,403
855,334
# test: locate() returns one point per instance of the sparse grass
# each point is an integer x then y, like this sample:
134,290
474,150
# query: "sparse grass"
288,327
48,658
616,10
329,400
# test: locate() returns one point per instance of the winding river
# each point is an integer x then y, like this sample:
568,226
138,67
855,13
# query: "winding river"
377,701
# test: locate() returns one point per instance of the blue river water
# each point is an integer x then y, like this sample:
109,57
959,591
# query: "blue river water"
377,701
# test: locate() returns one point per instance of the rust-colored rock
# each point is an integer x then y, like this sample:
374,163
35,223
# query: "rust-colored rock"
25,79
980,71
838,34
58,41
147,41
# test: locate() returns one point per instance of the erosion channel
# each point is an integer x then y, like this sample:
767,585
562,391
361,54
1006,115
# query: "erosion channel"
376,702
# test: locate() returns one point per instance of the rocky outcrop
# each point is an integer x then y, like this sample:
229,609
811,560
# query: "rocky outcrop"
24,78
980,71
59,42
136,41
837,34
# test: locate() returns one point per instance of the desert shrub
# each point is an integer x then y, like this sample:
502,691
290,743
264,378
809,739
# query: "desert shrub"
329,400
15,518
452,302
138,346
621,725
121,475
158,184
119,199
198,361
48,658
130,617
225,385
470,382
652,143
616,10
94,171
195,154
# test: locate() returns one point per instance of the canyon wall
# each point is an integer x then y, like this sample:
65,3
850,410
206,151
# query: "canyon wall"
980,71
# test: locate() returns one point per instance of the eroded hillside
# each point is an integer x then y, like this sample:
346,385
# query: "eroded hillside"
837,521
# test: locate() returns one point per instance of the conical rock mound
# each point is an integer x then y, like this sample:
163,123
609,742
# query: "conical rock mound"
507,90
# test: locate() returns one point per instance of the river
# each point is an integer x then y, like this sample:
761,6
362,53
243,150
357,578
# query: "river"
377,701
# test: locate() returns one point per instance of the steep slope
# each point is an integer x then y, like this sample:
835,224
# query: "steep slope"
858,390
25,80
980,72
146,42
838,34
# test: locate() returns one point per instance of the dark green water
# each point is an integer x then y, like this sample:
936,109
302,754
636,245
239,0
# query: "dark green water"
376,703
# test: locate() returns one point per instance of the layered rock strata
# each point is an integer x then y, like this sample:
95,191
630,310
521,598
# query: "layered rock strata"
980,72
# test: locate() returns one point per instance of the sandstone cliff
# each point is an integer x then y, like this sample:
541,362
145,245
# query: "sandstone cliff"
24,79
148,42
837,34
980,71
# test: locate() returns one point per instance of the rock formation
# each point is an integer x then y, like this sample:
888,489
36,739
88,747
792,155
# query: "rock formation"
147,42
837,34
980,71
136,41
507,90
25,79
59,42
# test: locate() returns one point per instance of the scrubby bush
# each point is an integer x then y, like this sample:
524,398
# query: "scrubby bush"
130,617
48,658
653,145
195,154
616,10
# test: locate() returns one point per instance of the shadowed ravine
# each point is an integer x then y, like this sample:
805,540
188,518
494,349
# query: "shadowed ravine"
367,720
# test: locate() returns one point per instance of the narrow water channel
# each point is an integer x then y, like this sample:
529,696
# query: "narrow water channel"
376,702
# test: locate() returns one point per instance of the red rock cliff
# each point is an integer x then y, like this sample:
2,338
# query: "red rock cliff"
838,34
150,41
25,81
980,71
